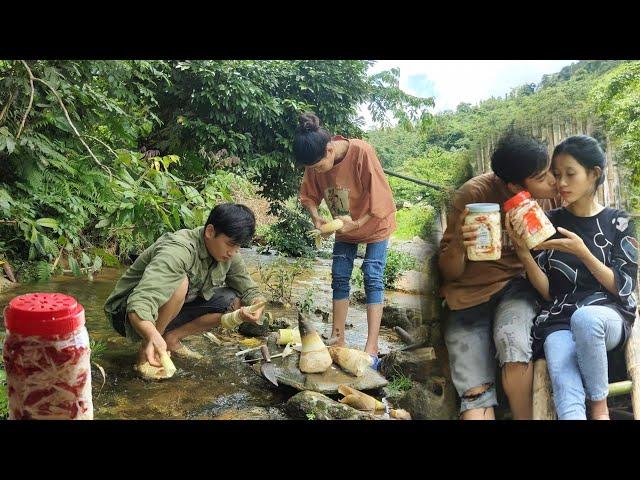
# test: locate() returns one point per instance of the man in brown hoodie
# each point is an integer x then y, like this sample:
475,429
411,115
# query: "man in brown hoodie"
490,305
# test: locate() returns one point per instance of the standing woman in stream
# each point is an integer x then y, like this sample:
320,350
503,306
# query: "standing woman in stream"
347,174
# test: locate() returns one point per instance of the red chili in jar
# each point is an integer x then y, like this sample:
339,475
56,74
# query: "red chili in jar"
47,358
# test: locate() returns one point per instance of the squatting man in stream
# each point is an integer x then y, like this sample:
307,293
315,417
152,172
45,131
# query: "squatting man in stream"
183,283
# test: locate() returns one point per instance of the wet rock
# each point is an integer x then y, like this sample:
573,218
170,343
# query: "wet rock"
288,373
253,413
316,406
411,281
280,323
434,399
406,318
418,364
325,315
358,296
250,329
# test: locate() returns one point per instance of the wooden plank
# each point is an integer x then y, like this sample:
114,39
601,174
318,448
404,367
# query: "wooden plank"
632,356
543,406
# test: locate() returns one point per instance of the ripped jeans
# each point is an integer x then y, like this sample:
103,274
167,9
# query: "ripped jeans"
498,329
373,265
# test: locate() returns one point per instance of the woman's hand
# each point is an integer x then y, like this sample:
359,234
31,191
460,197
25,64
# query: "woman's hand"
571,244
349,224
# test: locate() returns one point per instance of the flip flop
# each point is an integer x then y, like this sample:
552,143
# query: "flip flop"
376,362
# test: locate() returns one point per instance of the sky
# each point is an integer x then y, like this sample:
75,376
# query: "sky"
454,81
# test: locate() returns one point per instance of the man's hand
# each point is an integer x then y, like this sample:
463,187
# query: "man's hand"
468,233
154,348
349,224
153,343
252,317
571,244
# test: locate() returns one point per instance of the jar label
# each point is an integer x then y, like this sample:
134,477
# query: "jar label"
532,222
483,240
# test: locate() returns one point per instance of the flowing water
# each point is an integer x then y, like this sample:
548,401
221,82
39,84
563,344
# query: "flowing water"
219,385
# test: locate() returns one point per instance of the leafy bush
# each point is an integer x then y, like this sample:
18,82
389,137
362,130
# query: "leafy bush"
397,263
417,220
278,277
289,234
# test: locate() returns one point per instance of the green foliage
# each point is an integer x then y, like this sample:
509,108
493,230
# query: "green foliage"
395,145
399,382
439,166
98,348
251,107
418,220
305,304
278,277
357,279
397,263
81,142
289,234
616,99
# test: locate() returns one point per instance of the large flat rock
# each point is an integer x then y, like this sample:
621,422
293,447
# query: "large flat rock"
288,373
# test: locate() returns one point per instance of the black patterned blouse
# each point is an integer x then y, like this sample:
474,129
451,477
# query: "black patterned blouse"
610,236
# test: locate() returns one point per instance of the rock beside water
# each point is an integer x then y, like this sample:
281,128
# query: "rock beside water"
316,406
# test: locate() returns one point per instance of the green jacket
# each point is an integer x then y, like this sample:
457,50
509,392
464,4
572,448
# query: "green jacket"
157,273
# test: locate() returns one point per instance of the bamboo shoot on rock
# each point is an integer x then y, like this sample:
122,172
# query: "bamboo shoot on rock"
314,357
353,361
359,400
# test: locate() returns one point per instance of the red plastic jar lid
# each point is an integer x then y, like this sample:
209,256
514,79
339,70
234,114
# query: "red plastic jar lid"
516,200
43,314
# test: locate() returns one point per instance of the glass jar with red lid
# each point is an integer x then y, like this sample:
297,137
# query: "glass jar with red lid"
47,358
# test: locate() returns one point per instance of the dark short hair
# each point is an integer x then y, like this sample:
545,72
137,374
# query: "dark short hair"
236,221
310,140
518,156
587,152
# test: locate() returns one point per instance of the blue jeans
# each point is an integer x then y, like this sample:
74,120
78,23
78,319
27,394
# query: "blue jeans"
577,359
372,269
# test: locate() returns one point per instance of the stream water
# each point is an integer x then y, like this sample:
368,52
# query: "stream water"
219,385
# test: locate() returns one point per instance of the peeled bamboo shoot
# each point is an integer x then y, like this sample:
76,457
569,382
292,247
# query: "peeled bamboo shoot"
359,400
232,319
353,361
288,335
167,364
314,357
326,229
400,414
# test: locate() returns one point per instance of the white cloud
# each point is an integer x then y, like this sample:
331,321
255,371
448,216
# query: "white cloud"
470,81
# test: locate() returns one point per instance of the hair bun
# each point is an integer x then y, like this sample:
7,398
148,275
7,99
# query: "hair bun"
308,122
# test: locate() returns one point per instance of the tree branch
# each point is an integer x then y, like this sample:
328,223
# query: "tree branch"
5,109
26,114
104,144
75,130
